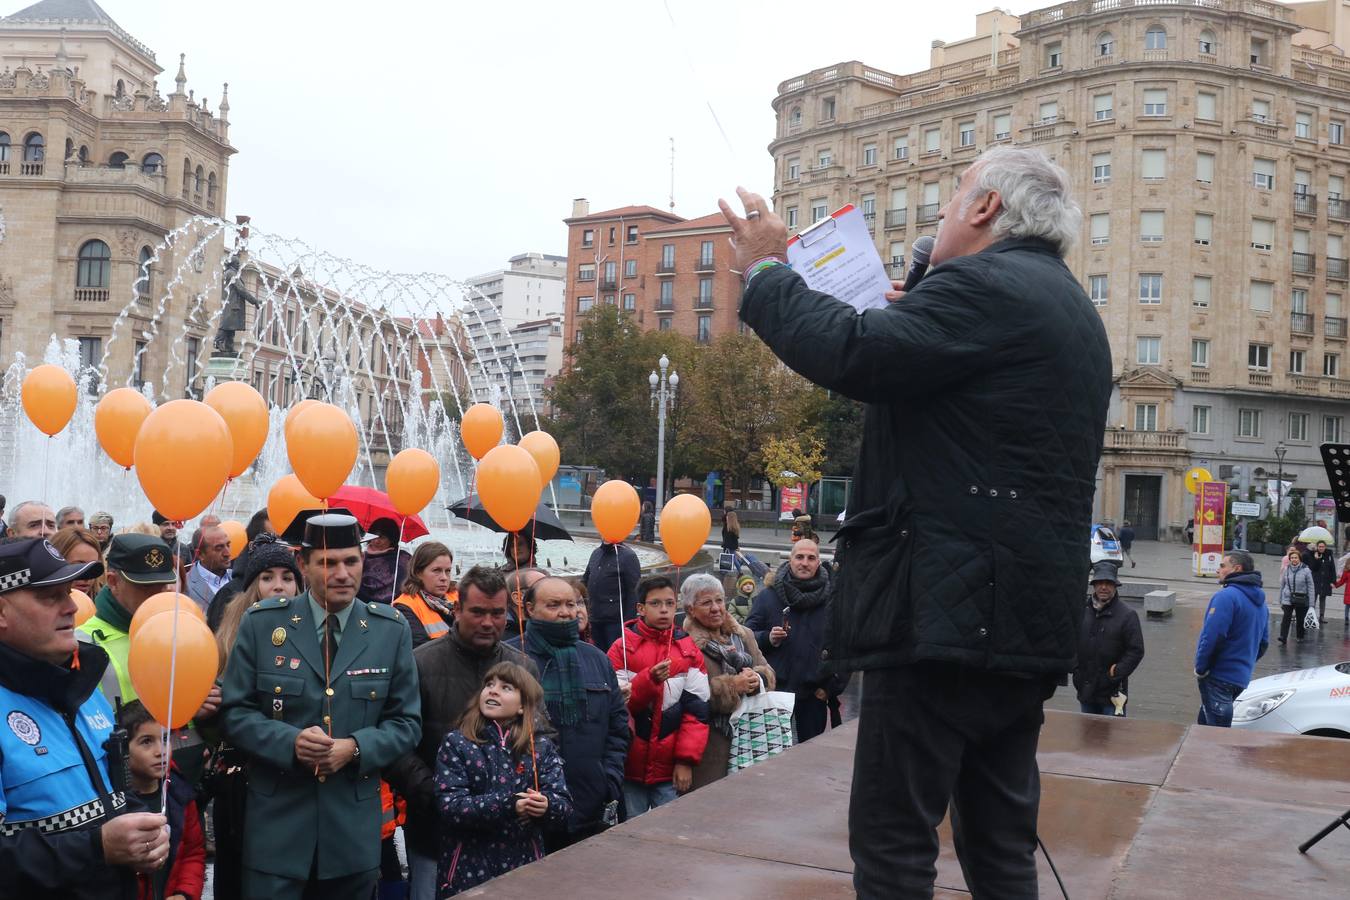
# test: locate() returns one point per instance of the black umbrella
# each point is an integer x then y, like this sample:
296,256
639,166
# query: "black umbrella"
545,526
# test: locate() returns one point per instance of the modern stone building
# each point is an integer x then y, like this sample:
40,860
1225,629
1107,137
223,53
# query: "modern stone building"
1208,148
96,168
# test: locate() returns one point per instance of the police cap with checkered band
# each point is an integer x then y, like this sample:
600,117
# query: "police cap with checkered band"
35,563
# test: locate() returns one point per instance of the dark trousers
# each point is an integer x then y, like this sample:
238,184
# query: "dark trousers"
811,715
1216,701
263,886
936,735
1101,709
604,634
1298,613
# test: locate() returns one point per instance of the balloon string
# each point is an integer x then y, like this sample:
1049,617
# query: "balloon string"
520,621
173,668
393,593
623,641
46,463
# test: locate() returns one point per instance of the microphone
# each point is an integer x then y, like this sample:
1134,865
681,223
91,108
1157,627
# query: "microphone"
918,261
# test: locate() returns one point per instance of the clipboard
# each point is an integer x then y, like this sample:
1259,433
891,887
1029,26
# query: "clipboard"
838,256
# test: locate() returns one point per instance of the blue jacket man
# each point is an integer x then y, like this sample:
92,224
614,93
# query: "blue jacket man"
1235,635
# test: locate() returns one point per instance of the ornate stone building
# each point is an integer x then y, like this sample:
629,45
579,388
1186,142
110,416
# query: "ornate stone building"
96,168
1208,148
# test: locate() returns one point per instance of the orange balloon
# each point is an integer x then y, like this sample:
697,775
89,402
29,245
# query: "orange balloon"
238,536
164,602
295,411
481,429
117,420
685,526
323,448
508,486
412,480
615,509
49,396
184,659
183,456
286,498
544,449
84,607
245,413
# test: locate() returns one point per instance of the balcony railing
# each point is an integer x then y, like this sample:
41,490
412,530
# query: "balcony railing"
31,168
91,295
897,269
1301,323
608,283
928,212
666,268
1334,327
704,264
1338,208
870,219
895,218
1200,376
701,302
1259,379
1304,263
1338,268
664,305
1305,204
1144,440
1305,385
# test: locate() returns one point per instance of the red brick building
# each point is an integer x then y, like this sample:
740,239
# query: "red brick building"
671,273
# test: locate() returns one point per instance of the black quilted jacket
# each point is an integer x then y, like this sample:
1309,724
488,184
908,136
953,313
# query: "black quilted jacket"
987,390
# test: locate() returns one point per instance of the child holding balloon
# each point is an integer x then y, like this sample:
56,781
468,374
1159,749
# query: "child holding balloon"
497,783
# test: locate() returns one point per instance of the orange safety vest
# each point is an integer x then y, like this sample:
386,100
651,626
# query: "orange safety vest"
395,811
431,620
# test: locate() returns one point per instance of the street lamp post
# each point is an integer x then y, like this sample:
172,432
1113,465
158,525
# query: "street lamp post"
1280,451
663,392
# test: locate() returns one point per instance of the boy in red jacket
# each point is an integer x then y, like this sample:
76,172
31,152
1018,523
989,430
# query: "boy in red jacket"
668,702
184,872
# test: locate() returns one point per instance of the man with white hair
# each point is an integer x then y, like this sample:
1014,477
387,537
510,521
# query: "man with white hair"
962,557
32,519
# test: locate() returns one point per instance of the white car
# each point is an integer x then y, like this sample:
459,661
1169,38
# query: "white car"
1105,547
1305,701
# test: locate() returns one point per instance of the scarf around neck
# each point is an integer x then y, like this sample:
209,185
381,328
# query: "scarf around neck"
804,595
561,681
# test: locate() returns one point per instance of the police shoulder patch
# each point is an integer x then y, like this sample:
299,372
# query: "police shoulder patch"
24,728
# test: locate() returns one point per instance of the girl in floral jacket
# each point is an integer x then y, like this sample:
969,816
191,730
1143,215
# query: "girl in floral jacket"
497,784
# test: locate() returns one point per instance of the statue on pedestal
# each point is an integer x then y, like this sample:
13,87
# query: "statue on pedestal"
232,314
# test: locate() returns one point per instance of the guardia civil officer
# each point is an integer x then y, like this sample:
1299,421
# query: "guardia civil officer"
320,692
65,831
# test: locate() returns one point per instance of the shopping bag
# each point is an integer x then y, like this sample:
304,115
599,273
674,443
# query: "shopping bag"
1311,620
761,727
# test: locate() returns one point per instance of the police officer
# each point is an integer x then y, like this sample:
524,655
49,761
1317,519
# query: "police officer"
64,831
321,693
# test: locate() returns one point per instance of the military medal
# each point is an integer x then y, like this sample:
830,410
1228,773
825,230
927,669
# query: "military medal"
281,660
276,708
295,663
278,637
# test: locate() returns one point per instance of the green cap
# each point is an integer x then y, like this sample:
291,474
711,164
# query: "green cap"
142,559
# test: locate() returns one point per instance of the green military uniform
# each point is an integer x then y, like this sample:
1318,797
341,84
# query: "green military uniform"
298,825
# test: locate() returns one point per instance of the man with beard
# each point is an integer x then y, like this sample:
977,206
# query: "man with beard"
789,619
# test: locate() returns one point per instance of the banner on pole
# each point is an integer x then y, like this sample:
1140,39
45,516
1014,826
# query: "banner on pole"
790,498
1209,526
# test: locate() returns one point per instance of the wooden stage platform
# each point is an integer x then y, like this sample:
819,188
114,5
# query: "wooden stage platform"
1130,809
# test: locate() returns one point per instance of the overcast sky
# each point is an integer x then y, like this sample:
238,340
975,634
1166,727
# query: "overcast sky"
448,136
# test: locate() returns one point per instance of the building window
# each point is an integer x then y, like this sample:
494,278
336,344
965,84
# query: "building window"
94,269
588,237
191,349
1155,39
91,353
1204,168
663,324
966,134
932,140
1101,168
818,211
34,148
705,329
1258,357
1332,428
1336,132
791,216
666,297
611,272
1048,113
705,291
1201,288
1100,225
1249,423
827,109
152,164
1151,226
584,304
1153,165
1302,182
1261,110
1200,420
1298,360
1106,44
1298,300
902,147
1263,173
1002,126
869,154
1206,106
1099,289
586,272
630,268
1297,426
824,158
795,118
668,257
1260,54
705,254
1150,288
144,285
1147,350
1204,229
1054,55
1263,234
1155,102
630,302
1303,125
1331,365
631,235
1207,45
611,235
1261,293
1146,417
1200,353
138,366
1103,107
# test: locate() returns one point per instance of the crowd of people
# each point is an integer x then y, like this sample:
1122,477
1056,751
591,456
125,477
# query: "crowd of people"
494,717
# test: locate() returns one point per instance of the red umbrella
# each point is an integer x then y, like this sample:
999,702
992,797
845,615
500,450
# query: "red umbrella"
368,504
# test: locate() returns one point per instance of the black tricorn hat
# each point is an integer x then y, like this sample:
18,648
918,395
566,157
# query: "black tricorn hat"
324,529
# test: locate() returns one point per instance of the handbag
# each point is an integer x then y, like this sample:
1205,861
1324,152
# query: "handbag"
726,561
761,727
